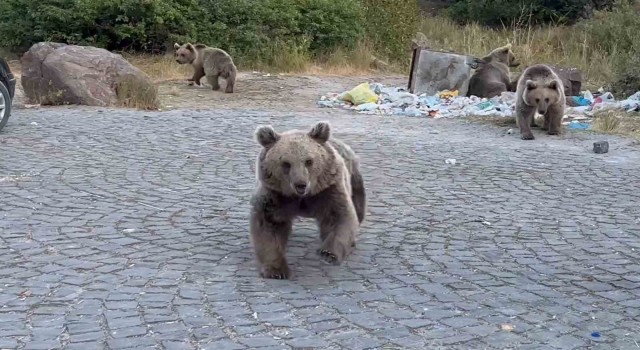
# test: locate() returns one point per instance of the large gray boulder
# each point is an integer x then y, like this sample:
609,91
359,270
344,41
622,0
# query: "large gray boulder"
54,74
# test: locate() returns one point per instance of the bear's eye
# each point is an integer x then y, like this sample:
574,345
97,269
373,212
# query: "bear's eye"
308,162
286,165
537,100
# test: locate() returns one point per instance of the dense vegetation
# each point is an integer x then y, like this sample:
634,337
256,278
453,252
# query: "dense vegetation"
506,12
282,32
243,27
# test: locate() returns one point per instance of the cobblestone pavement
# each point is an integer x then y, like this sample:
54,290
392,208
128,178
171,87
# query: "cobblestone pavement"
125,229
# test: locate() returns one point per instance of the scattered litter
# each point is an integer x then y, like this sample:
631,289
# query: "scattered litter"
595,334
369,106
129,230
484,105
510,131
360,94
483,221
34,123
450,161
376,98
581,100
574,124
507,327
25,294
446,94
601,147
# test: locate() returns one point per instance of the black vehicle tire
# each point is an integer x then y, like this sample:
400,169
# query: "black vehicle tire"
7,105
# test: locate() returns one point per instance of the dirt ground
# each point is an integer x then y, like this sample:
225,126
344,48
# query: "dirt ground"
263,91
254,90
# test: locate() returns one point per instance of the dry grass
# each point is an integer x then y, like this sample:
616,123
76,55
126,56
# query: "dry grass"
133,93
345,62
617,123
160,67
564,46
282,60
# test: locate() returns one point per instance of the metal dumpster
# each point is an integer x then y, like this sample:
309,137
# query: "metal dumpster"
433,71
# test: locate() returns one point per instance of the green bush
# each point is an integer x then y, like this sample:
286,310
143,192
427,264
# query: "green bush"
615,32
244,27
332,24
391,24
509,12
113,24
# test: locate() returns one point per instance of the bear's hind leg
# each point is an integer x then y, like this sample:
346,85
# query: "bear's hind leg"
231,81
270,243
338,223
358,195
494,88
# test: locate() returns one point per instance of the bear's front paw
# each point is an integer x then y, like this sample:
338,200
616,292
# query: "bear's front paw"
527,136
328,257
278,273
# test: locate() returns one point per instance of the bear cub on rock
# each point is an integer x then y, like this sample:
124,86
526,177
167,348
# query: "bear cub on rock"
207,61
539,90
304,174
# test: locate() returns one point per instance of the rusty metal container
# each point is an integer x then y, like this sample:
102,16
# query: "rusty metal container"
433,71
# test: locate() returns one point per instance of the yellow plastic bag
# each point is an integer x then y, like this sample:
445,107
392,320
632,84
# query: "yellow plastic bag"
360,94
448,94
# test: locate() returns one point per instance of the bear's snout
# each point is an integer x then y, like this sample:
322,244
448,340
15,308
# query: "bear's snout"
301,187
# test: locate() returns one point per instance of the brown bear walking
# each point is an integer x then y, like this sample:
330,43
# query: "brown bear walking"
539,90
491,78
304,174
208,62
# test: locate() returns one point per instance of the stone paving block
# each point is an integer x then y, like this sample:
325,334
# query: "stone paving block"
123,233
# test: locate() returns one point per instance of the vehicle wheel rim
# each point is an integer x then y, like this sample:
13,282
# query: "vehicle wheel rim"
3,106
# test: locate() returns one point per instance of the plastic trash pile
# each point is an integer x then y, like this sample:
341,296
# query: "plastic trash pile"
379,99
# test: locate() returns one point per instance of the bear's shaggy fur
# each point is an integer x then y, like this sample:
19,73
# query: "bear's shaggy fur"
491,78
539,90
207,61
304,174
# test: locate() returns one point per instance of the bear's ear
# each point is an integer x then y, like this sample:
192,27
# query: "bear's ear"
321,132
553,85
531,85
190,47
176,46
266,136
